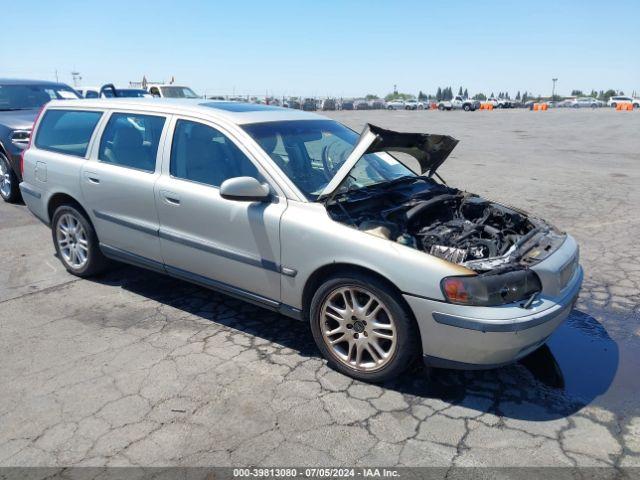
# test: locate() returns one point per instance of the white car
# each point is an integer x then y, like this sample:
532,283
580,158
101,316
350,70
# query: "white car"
459,102
172,91
619,99
586,102
395,104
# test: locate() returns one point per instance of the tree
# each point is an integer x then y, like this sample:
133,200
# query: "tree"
480,96
577,93
439,94
518,96
492,95
525,97
449,95
422,96
466,93
371,96
460,91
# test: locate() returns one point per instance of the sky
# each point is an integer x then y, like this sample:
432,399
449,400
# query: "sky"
330,47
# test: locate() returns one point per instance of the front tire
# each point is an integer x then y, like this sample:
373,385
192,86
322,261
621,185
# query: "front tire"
76,242
9,190
466,107
362,329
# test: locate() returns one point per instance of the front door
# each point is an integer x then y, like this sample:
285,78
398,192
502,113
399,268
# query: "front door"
228,244
118,181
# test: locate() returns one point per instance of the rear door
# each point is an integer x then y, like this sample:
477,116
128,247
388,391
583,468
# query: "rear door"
228,244
117,184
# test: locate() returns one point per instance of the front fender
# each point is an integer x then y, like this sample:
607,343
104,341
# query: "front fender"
310,240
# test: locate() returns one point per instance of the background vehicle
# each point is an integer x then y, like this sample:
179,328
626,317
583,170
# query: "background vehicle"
328,104
172,91
500,102
346,105
620,99
459,103
110,91
586,102
309,105
20,101
413,105
360,104
396,104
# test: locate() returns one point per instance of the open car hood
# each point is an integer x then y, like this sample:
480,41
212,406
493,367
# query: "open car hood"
428,149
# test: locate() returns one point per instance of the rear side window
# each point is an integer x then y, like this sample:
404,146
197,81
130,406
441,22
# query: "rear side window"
131,140
67,131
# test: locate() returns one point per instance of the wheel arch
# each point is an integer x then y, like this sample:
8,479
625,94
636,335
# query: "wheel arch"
62,198
321,274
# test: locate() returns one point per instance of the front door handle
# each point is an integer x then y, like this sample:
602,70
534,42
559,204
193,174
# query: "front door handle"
170,197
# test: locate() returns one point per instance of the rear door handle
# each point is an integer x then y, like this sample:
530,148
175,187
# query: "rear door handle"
92,177
170,197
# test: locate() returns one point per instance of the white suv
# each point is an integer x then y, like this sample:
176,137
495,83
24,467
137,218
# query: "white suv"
618,100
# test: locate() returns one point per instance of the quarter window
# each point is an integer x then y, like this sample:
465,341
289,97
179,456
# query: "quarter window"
131,140
67,131
203,154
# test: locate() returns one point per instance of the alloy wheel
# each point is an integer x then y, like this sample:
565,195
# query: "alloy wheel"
72,241
5,178
358,328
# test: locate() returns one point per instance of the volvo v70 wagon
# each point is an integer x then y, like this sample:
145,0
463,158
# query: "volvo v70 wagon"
356,234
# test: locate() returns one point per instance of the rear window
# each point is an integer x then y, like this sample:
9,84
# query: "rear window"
67,131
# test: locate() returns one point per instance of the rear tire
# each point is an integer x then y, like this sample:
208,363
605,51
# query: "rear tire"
466,107
441,107
76,242
391,328
9,190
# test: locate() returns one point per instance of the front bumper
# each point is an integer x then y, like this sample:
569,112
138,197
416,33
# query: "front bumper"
458,336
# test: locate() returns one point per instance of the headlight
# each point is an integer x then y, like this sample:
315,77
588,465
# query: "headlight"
491,289
20,136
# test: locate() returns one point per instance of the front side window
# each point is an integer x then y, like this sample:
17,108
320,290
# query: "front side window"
131,140
310,152
67,131
203,154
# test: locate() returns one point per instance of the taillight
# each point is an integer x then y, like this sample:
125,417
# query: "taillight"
30,140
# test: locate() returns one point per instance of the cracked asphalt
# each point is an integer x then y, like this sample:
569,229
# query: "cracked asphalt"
134,368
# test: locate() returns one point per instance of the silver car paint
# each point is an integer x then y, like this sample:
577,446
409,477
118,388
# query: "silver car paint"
266,253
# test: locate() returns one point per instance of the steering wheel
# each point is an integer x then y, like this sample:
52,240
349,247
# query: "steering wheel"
328,165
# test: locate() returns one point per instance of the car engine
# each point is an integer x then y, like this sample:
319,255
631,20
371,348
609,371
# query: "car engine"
457,226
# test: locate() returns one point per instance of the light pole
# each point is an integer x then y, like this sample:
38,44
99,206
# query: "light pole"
553,91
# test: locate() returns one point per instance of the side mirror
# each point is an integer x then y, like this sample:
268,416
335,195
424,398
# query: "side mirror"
244,189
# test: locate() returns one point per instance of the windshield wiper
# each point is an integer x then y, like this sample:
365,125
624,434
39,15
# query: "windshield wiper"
13,109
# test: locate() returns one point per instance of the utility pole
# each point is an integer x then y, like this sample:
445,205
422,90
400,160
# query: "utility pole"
56,72
553,91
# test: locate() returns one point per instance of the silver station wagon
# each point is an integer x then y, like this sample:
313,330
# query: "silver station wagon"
356,234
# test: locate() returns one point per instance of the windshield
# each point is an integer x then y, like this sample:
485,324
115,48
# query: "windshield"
178,92
32,97
310,152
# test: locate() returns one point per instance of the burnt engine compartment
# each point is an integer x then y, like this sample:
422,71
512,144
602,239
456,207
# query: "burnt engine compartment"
457,226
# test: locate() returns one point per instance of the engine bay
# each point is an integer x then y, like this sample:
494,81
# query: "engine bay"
445,222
